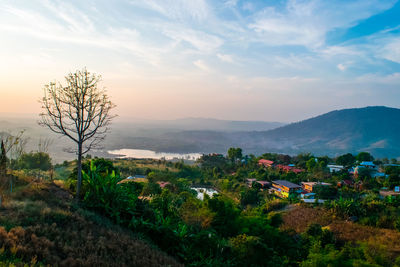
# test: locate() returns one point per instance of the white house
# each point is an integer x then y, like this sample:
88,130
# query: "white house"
335,168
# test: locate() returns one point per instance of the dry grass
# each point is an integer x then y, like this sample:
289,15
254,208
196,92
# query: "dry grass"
300,217
353,232
40,224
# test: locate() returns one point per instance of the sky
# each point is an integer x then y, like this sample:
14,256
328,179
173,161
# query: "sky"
267,60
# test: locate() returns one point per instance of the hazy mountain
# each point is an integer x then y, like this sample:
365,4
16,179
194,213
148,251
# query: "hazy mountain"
373,129
159,135
201,124
225,125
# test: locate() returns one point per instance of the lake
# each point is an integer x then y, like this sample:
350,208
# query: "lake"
149,154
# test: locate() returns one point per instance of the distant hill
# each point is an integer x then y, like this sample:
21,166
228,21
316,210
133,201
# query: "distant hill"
373,129
158,135
224,125
197,124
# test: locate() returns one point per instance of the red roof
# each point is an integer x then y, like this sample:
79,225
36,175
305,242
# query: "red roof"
163,184
289,168
265,162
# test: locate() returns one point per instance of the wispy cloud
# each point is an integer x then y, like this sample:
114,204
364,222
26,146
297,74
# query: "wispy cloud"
181,10
278,49
202,65
201,41
225,58
307,22
391,50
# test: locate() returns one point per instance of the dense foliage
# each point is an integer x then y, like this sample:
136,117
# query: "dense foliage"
245,223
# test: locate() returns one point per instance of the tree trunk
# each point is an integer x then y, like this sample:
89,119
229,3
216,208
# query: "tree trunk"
79,180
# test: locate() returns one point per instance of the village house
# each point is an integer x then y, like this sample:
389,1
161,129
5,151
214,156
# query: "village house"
163,184
287,168
372,171
285,189
368,164
385,192
376,174
251,181
266,163
264,184
348,183
310,186
335,168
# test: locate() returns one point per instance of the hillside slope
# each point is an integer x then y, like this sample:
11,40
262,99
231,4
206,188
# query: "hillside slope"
39,224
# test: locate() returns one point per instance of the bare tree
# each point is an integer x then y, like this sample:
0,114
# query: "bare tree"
14,144
43,145
80,110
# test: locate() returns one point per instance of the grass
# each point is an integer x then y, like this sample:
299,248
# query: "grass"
41,225
303,216
353,232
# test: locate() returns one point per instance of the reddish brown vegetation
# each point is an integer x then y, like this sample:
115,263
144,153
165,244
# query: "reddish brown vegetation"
301,217
353,232
67,236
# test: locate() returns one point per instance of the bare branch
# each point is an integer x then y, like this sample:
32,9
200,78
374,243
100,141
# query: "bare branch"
79,110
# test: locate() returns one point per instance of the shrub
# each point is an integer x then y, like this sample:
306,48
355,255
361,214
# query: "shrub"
103,193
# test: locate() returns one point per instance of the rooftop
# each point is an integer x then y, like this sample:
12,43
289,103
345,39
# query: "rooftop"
286,183
136,176
367,163
265,161
315,183
335,166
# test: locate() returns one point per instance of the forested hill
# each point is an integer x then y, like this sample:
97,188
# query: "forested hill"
373,129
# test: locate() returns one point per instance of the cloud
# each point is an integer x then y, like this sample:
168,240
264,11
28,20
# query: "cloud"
225,58
306,23
71,25
332,51
341,67
231,3
178,42
391,50
202,65
197,10
248,6
201,41
373,78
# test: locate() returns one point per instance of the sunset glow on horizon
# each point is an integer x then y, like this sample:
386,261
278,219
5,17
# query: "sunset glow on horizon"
238,60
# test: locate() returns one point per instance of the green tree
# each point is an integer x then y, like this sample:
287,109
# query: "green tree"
210,161
226,215
364,156
311,164
151,189
235,154
346,160
34,160
249,196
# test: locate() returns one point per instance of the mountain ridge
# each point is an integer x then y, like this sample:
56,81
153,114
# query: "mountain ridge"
372,129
